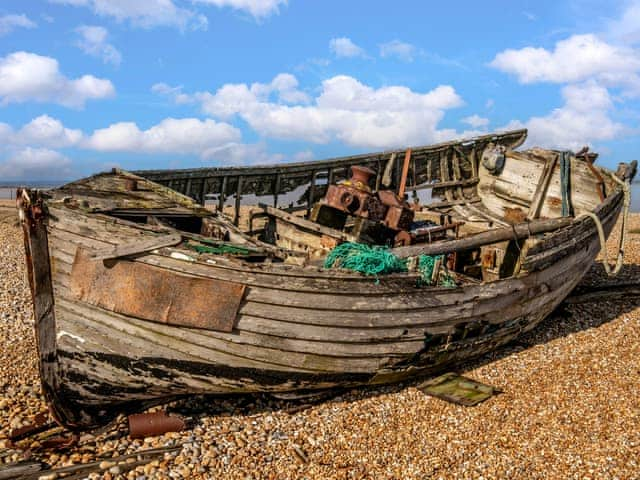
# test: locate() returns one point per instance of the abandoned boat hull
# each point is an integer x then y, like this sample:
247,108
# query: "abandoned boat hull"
293,332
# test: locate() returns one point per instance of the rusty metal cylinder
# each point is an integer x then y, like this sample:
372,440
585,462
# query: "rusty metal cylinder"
151,424
361,175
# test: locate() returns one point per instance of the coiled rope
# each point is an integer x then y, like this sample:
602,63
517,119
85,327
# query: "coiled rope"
612,272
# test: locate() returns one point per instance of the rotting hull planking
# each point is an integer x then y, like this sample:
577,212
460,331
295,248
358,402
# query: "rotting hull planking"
294,330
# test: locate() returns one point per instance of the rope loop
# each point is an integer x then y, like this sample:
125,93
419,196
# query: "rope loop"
626,190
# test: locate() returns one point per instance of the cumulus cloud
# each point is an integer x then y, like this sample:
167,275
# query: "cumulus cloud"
46,131
344,47
180,136
575,59
400,50
27,76
627,27
257,8
35,164
147,14
476,121
93,41
8,23
345,110
582,120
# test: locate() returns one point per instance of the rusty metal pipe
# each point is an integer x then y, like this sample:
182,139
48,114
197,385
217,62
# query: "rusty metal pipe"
143,425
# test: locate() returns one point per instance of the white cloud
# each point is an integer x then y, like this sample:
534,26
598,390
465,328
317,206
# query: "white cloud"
256,8
175,93
42,131
283,85
344,47
627,27
180,136
400,50
36,164
26,77
476,121
93,41
583,119
242,154
575,59
303,156
8,23
145,14
46,131
345,110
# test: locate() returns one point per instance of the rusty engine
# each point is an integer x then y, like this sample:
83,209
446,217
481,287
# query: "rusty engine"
381,217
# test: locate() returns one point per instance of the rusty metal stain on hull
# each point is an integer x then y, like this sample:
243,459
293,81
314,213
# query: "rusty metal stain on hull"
151,293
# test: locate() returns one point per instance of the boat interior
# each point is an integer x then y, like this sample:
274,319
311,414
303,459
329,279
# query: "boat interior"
284,219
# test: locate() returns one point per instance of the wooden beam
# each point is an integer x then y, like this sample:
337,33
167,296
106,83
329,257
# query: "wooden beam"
405,172
541,191
221,197
312,191
133,248
236,217
520,231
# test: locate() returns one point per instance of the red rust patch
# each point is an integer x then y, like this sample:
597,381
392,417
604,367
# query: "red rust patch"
153,293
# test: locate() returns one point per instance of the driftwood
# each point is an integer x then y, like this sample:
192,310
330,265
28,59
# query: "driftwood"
516,232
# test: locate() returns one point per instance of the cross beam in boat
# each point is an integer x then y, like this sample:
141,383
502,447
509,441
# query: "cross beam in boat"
519,231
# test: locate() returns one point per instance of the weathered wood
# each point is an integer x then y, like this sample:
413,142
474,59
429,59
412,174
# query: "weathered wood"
236,216
223,193
519,231
541,189
405,172
126,249
297,328
20,470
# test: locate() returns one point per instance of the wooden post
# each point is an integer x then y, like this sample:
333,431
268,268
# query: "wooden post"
405,172
312,191
221,197
276,189
236,218
203,192
541,191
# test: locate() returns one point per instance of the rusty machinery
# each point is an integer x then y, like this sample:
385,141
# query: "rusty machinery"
383,216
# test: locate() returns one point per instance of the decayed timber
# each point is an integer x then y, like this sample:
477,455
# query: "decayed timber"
137,300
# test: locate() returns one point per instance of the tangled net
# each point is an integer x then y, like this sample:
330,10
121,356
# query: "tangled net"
376,260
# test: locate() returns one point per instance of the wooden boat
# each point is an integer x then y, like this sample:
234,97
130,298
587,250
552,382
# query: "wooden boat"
142,295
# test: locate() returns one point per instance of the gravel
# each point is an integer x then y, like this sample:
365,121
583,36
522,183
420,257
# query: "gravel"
570,407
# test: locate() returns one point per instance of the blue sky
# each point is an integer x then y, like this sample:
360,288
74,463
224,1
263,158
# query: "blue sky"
89,84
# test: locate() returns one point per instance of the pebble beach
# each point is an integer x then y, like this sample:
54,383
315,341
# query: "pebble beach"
569,407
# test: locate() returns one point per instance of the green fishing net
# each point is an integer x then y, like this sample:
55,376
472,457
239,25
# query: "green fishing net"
376,260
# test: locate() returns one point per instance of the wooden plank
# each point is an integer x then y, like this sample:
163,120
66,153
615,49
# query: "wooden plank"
541,190
222,194
133,248
236,216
